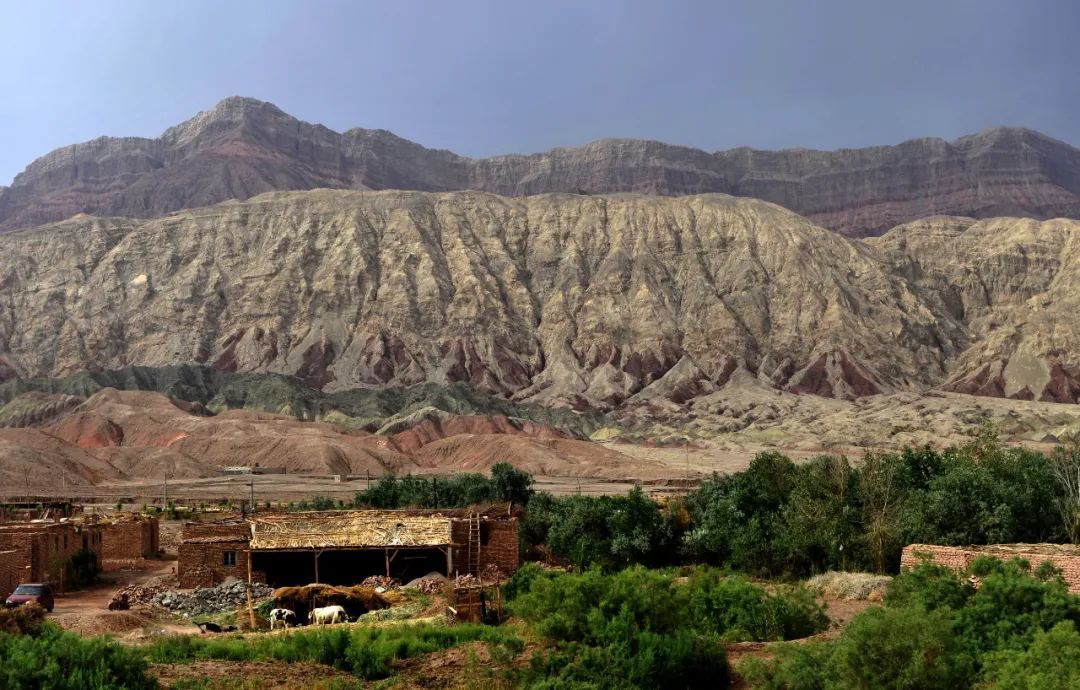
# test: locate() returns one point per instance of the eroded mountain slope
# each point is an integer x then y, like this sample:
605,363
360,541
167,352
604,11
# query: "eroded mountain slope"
568,299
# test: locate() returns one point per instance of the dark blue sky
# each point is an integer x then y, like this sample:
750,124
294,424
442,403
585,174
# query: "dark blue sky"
482,78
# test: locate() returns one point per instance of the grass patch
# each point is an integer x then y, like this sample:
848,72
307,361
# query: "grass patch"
368,653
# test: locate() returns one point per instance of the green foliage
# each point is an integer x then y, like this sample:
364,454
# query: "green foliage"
1051,661
737,610
778,518
366,652
1011,607
506,484
57,660
793,667
1017,629
906,648
82,568
610,531
928,586
648,628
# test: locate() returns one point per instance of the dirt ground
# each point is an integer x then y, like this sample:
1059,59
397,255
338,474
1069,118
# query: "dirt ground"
86,611
253,675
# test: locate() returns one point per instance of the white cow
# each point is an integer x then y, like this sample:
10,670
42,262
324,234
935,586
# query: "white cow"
282,617
327,615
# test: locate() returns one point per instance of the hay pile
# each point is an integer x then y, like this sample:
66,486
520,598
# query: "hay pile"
850,586
355,600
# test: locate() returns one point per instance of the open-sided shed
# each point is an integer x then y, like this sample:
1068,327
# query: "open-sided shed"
342,547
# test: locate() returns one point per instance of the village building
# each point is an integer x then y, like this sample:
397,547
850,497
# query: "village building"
344,547
129,538
1064,557
41,551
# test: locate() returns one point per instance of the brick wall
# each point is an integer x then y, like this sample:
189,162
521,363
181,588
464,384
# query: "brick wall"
47,547
1064,557
202,554
14,570
498,544
127,540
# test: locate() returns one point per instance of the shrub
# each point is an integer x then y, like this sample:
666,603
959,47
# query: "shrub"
905,649
794,667
928,585
1052,661
59,660
738,610
1011,607
22,620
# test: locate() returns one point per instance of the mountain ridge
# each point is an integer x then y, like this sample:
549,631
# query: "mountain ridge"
593,302
243,147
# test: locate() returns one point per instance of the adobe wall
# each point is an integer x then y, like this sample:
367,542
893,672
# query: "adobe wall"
1064,557
47,547
129,540
14,570
201,554
498,544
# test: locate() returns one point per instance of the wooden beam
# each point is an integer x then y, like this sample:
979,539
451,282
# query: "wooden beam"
317,554
251,608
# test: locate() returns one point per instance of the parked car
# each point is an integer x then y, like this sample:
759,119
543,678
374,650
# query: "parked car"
31,592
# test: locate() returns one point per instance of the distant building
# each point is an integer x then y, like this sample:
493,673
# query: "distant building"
344,547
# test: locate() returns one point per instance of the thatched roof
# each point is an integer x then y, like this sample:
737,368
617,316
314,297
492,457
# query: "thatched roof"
360,529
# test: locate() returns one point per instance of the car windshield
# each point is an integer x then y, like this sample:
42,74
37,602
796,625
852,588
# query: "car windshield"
29,589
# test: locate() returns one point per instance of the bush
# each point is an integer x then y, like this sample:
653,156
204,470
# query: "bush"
1011,607
57,660
738,610
794,667
1052,661
82,568
22,620
901,648
928,585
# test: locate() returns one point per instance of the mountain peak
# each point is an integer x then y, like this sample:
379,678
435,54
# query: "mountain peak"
245,146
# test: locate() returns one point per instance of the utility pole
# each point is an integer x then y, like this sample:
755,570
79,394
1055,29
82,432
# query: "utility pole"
252,480
165,493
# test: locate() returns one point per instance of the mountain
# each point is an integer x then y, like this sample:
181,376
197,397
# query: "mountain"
595,302
244,147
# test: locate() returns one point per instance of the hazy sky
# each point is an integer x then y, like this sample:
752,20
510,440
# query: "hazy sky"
481,78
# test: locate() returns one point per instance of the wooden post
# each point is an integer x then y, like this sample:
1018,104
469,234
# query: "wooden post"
386,553
317,554
251,609
449,561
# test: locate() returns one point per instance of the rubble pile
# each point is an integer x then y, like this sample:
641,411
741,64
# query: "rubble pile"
136,595
377,581
207,600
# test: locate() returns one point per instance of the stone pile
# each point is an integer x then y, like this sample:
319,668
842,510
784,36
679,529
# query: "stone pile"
207,600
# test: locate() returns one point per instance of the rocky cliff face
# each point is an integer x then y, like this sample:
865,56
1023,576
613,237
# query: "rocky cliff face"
593,301
243,147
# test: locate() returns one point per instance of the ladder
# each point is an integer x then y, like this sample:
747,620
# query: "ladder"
474,544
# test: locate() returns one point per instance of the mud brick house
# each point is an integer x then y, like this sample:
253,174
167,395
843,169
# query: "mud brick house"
136,537
43,549
1065,557
212,551
339,547
13,571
